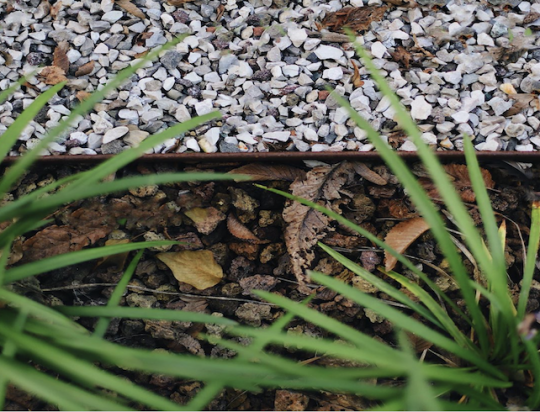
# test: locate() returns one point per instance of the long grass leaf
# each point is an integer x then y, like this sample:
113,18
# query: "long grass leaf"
142,313
72,258
66,396
534,361
4,95
530,263
419,197
381,284
407,323
448,324
10,136
86,373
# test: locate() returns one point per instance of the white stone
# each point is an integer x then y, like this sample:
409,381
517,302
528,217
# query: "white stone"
461,117
204,107
297,36
310,134
112,16
325,52
101,48
378,50
453,77
192,144
444,127
280,136
114,134
193,77
420,109
79,136
485,39
168,84
334,73
341,115
128,114
212,135
291,70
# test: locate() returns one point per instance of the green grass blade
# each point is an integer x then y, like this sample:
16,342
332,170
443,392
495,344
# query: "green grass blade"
419,197
375,240
103,323
407,323
37,310
72,258
65,396
534,361
142,313
419,394
448,324
530,263
4,95
381,284
84,107
10,136
20,227
86,373
82,191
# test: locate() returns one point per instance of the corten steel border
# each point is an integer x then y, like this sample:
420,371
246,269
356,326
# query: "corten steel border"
179,158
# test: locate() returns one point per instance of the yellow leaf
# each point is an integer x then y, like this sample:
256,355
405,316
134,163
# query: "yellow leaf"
196,268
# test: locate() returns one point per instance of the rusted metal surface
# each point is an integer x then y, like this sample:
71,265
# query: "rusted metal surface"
530,157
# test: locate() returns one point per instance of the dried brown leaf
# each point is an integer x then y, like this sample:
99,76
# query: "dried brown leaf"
81,95
402,3
363,170
531,17
401,55
52,75
55,9
7,57
196,268
178,2
85,69
418,344
118,260
219,12
306,226
522,101
239,231
262,171
206,220
355,18
401,236
60,58
460,177
356,80
131,8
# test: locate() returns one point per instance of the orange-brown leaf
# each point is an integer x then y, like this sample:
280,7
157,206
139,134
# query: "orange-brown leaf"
131,8
55,9
239,231
60,58
178,2
81,95
52,75
356,80
205,220
355,18
401,55
261,171
219,12
85,69
196,268
401,236
368,174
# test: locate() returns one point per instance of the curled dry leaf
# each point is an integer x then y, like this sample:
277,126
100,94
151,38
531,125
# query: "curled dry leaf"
239,231
205,219
363,170
522,102
81,95
85,69
60,58
131,8
401,55
52,75
219,12
355,18
261,171
306,226
356,80
401,236
55,9
196,268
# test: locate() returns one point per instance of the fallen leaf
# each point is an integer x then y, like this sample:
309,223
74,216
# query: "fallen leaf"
141,54
400,238
85,69
60,58
131,8
118,260
81,95
356,80
7,57
52,75
262,171
196,268
460,177
531,17
418,344
402,3
401,55
206,220
307,226
355,18
290,401
219,12
239,231
363,170
521,102
55,9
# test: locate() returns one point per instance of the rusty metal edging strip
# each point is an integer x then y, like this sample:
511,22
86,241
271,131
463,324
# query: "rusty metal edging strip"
529,157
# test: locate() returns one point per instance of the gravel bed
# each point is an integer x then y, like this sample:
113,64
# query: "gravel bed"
460,67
